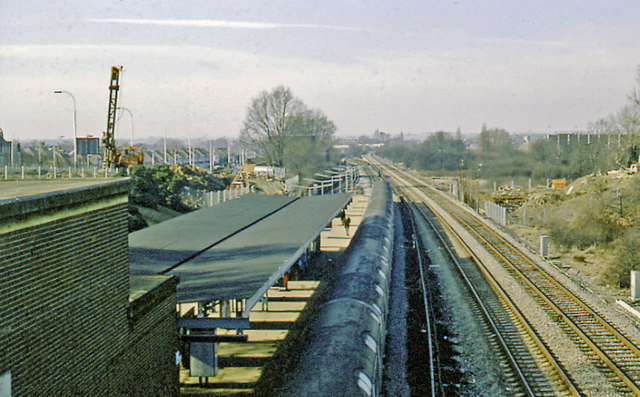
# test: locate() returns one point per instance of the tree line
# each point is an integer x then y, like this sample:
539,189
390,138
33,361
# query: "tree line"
494,153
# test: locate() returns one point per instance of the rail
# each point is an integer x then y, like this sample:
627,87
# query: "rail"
611,350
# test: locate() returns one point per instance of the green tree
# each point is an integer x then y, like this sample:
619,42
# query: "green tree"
144,191
495,140
441,151
158,185
498,155
308,148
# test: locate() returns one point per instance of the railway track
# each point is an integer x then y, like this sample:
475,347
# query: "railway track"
519,347
609,350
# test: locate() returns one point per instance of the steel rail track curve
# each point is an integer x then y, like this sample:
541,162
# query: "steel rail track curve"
608,348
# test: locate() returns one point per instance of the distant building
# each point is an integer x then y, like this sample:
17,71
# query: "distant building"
88,145
5,149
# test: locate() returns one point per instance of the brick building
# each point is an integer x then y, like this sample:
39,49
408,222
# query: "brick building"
72,320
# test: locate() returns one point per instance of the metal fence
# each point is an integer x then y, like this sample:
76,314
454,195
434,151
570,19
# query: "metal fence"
24,172
536,216
209,199
495,212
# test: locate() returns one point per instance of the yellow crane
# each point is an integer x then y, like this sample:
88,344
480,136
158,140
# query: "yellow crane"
130,155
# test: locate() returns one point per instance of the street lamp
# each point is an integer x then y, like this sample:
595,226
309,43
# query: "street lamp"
75,129
130,120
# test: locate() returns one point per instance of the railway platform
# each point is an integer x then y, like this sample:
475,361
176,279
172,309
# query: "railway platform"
274,323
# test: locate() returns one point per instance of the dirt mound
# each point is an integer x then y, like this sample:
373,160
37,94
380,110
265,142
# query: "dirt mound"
200,179
267,185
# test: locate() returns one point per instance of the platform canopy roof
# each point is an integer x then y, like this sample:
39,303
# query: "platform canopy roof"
248,261
159,248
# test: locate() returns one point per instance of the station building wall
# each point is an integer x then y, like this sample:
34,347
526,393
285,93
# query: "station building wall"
65,308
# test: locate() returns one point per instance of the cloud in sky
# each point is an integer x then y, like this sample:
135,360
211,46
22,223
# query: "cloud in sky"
209,23
206,91
410,67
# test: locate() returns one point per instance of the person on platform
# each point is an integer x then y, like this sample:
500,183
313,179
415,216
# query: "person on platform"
346,222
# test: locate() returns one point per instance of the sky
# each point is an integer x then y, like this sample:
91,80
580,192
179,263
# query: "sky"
191,68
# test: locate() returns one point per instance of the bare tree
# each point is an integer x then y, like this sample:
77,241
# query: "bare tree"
268,123
625,123
280,128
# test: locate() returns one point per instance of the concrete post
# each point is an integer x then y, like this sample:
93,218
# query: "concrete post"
544,248
5,384
69,172
22,171
203,355
39,172
6,172
224,309
635,285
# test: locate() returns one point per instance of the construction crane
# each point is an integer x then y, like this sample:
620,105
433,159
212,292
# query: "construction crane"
130,155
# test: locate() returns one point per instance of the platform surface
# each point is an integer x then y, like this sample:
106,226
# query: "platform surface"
24,188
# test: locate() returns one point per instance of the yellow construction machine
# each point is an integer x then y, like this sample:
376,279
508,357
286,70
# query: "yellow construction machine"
113,158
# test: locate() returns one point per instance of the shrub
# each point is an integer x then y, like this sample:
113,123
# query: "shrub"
626,258
587,223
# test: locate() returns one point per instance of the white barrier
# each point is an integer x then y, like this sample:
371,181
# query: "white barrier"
495,212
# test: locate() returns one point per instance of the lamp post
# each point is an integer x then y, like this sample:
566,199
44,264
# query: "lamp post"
75,130
130,120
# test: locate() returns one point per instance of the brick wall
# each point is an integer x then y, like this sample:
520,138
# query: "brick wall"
64,306
147,366
64,291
